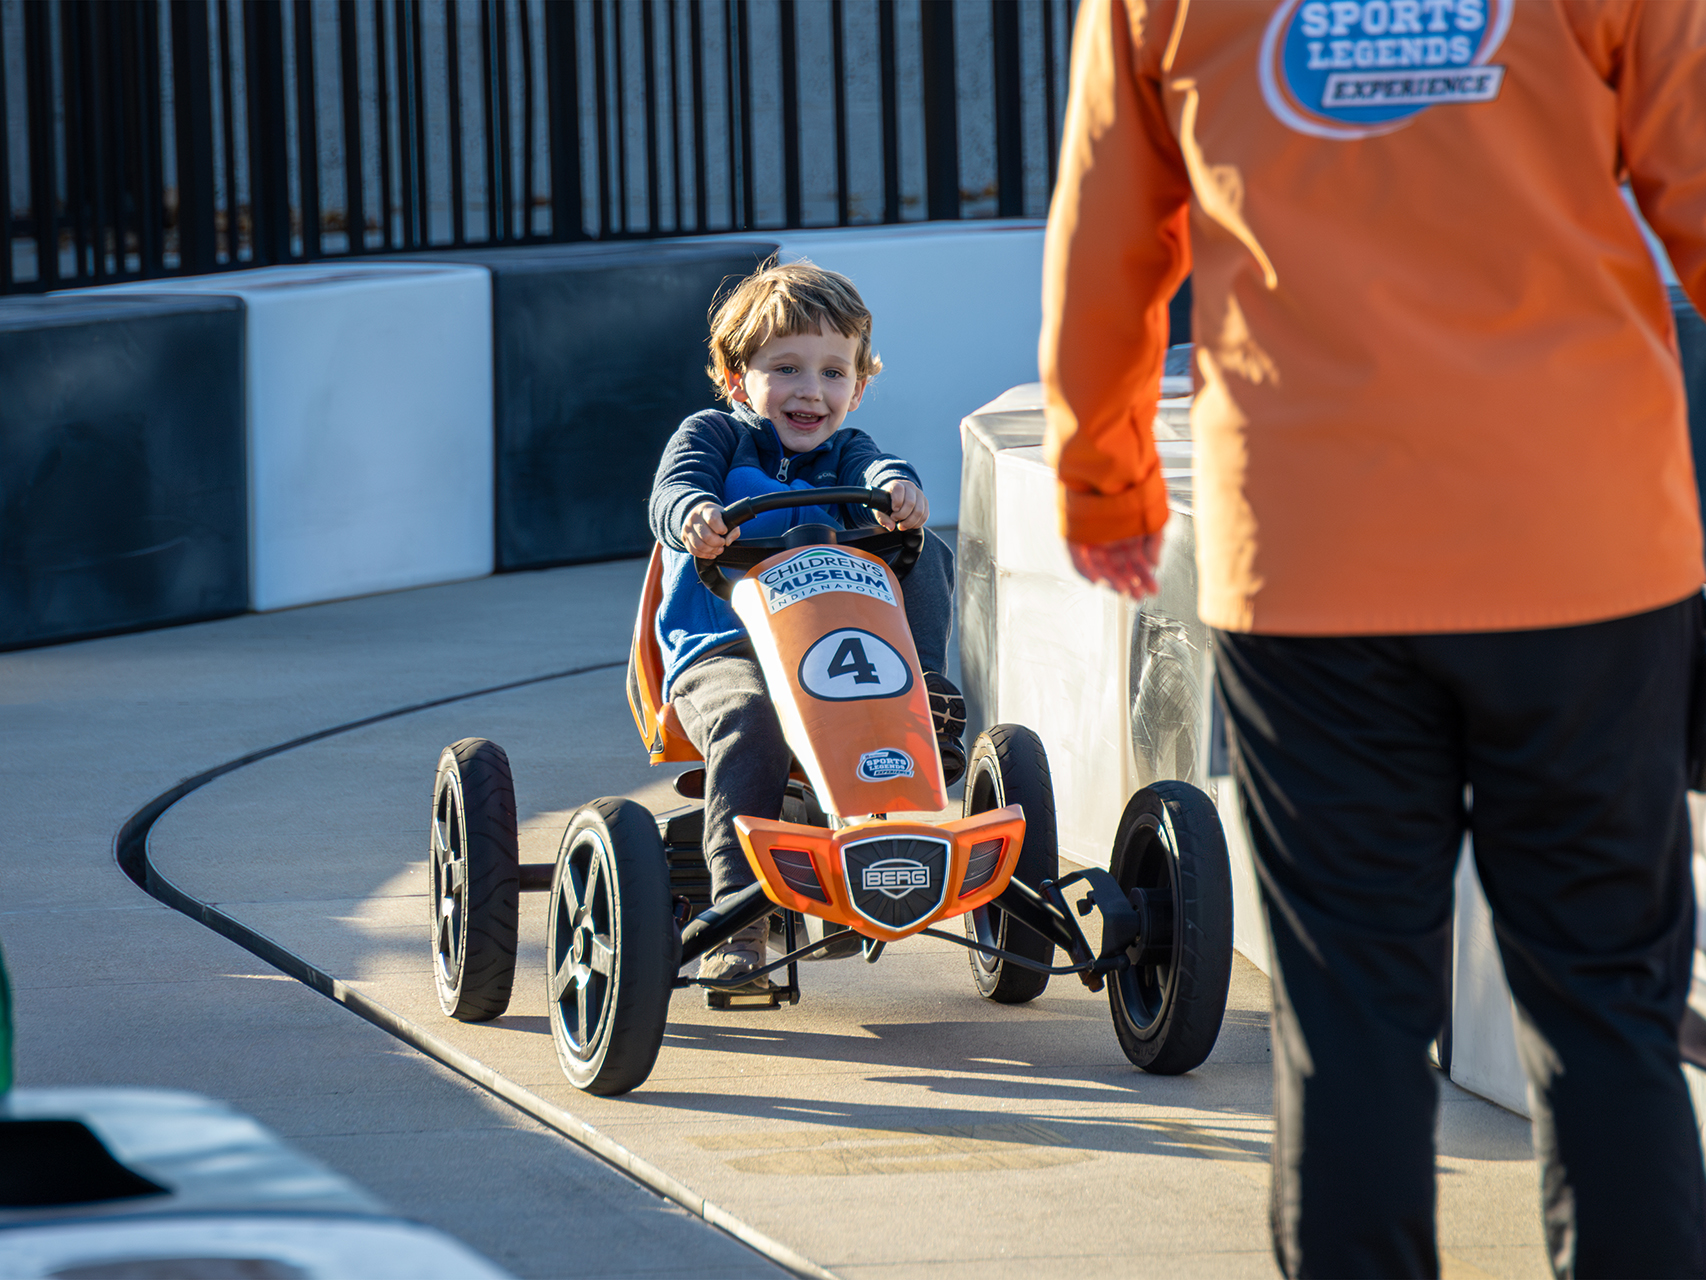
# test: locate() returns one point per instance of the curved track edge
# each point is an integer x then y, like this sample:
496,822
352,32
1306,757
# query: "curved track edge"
130,850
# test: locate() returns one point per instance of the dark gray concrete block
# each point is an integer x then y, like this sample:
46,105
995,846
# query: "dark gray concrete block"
123,493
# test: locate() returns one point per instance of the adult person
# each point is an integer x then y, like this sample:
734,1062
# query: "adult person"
1448,539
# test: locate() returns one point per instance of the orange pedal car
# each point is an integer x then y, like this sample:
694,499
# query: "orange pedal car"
839,874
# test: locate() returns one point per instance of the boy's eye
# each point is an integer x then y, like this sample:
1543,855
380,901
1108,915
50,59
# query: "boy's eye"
786,368
833,373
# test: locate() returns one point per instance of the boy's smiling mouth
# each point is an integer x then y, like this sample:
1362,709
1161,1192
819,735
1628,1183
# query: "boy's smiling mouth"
803,384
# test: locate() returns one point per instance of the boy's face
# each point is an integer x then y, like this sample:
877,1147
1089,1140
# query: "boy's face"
804,383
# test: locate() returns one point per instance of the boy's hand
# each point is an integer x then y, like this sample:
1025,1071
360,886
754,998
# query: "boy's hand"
705,534
909,508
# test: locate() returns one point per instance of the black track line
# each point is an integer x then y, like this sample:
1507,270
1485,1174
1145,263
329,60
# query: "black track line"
130,850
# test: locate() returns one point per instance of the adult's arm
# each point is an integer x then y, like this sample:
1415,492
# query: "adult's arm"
1116,250
1654,56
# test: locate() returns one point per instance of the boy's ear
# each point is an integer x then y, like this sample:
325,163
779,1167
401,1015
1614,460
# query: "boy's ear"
732,379
858,393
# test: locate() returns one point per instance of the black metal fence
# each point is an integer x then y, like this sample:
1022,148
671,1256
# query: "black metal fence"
145,138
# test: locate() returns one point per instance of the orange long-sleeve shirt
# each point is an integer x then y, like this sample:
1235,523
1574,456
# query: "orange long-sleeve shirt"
1437,370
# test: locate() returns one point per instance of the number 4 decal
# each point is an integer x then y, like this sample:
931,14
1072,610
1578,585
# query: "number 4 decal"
850,665
850,660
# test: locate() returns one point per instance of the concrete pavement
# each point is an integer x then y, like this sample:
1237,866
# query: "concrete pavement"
113,989
892,1124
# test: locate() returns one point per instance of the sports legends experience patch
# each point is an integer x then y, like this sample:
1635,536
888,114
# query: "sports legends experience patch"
1347,69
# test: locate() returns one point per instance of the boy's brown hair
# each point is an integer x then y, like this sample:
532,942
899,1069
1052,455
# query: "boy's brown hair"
780,300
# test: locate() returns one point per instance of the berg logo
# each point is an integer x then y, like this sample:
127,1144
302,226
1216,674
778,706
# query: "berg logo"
895,877
1346,69
883,764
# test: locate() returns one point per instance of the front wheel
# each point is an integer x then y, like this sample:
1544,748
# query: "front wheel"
1168,1006
611,947
1008,766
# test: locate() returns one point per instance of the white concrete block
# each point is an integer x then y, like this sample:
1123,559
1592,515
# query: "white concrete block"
1483,1027
1063,661
1483,1035
1655,246
1249,923
956,308
1063,669
369,425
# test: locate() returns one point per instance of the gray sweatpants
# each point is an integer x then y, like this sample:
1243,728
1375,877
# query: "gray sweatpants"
726,711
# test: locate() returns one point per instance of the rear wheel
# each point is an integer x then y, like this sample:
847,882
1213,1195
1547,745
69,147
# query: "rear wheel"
1008,766
476,888
1168,1006
611,948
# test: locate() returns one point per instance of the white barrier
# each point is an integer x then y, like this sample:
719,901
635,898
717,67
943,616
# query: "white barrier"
1483,1027
370,395
1060,662
1062,668
1483,1038
369,425
1041,647
957,309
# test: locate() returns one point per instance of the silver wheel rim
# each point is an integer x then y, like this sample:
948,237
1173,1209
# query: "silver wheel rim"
449,870
1144,991
582,951
983,924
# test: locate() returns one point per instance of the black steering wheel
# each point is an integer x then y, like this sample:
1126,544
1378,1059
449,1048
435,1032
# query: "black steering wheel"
898,548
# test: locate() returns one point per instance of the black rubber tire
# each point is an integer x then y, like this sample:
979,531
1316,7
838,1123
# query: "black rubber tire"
1009,766
473,859
611,947
1167,1015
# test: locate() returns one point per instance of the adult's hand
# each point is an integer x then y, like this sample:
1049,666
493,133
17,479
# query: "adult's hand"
1128,566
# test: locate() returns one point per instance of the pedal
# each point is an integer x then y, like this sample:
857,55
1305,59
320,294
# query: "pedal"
773,997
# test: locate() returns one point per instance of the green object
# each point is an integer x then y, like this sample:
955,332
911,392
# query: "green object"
5,1027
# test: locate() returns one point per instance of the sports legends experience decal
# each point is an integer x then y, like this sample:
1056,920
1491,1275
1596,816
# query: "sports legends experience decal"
1348,69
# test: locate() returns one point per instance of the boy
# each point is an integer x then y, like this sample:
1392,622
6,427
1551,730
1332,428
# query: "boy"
791,356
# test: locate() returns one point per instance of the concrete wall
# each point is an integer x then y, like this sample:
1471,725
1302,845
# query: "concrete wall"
423,419
368,397
122,479
395,412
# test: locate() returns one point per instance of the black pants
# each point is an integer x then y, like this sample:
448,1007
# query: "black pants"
1353,756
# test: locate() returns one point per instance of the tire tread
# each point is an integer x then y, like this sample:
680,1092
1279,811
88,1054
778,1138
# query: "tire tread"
1023,772
492,896
1203,926
648,950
